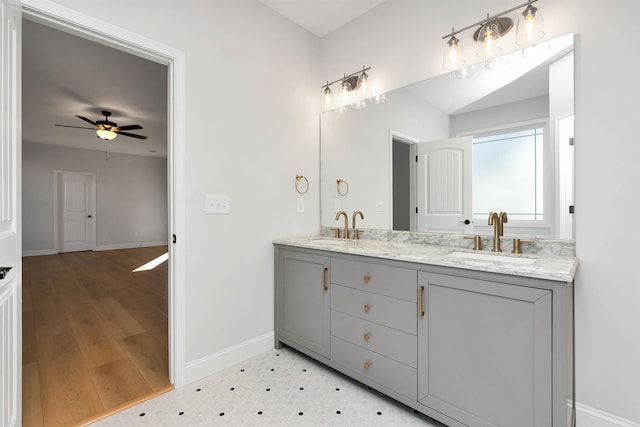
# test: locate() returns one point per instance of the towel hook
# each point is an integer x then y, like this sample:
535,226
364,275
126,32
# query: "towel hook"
306,187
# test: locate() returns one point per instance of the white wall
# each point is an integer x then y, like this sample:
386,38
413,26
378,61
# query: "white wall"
252,125
131,196
401,40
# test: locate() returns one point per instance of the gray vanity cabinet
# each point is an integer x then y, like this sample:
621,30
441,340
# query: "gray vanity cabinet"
466,347
302,301
485,351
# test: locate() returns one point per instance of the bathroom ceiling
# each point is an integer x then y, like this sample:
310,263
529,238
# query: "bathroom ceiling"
321,17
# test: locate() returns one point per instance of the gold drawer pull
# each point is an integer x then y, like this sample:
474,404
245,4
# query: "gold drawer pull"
367,336
367,278
367,365
367,307
324,278
420,309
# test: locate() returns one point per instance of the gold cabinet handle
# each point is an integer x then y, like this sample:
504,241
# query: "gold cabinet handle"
420,309
367,365
367,336
367,278
324,278
367,307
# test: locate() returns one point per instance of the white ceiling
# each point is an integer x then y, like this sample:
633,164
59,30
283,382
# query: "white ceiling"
64,76
321,17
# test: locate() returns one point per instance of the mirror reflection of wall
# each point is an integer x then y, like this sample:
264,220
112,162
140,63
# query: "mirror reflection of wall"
372,149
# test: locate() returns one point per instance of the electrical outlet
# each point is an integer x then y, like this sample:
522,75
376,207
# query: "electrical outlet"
300,206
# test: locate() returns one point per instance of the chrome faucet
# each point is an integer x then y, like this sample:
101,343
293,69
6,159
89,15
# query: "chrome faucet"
356,232
346,223
497,220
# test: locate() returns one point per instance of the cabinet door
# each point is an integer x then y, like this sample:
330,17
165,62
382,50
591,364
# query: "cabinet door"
302,294
484,351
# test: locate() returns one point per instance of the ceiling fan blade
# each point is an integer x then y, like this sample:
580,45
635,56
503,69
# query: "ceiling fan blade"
129,127
87,120
131,135
75,127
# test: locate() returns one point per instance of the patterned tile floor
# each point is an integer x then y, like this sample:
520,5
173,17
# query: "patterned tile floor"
275,388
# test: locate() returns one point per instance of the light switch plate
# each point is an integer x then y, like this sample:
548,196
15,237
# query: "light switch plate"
217,205
379,205
299,205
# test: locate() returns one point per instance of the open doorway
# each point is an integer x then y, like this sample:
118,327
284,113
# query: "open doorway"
403,193
173,173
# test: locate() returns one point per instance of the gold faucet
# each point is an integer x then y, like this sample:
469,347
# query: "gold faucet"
356,232
346,223
497,220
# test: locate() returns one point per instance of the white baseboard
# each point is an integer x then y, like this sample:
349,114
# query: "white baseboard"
128,246
40,252
98,248
215,362
592,417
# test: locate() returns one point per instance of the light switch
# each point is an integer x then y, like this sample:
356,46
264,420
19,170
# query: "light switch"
300,206
217,205
379,205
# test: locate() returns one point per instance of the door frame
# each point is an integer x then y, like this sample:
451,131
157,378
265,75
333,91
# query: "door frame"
57,219
73,22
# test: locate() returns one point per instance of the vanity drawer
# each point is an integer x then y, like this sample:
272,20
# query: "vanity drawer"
382,370
391,281
386,341
392,312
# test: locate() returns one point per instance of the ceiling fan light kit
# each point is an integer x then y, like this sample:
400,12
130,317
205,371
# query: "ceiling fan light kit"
108,130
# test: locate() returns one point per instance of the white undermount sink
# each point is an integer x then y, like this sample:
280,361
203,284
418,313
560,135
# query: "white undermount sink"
495,258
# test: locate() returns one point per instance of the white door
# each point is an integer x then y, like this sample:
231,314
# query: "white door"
77,201
10,234
444,185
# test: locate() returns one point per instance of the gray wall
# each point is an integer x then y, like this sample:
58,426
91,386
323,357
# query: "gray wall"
131,196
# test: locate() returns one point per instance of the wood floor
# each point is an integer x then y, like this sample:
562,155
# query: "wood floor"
94,334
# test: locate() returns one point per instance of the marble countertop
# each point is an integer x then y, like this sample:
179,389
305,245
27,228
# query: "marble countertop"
549,267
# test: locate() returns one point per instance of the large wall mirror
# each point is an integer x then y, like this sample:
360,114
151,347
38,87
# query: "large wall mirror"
440,154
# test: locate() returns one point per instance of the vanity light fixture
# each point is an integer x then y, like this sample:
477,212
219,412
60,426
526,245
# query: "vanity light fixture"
355,91
490,30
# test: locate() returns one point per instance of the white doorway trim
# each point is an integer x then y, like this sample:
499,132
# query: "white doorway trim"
71,21
57,219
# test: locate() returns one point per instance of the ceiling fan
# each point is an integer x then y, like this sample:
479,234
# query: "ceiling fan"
106,129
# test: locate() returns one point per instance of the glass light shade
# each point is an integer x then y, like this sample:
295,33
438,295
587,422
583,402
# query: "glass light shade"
495,63
345,92
328,100
106,134
488,38
453,56
465,72
530,27
363,86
